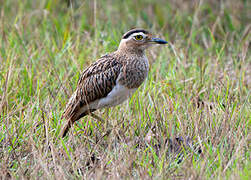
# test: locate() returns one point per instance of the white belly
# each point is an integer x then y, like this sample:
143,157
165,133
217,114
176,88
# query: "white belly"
117,96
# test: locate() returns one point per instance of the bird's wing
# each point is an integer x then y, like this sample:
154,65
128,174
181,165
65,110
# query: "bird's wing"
94,83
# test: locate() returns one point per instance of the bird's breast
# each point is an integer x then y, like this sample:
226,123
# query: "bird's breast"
134,73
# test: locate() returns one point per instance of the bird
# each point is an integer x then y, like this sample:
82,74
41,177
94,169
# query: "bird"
112,79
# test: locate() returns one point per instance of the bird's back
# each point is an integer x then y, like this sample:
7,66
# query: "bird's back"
107,82
113,78
96,82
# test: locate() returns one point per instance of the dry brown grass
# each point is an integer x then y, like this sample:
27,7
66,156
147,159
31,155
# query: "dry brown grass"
190,119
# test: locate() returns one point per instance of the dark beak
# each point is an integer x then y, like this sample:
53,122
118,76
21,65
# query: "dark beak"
158,41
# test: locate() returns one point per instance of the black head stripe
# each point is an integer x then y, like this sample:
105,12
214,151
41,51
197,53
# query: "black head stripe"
126,35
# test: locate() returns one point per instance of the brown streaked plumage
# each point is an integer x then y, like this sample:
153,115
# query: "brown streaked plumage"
111,79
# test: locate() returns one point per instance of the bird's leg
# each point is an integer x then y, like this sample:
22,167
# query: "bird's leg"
109,129
100,120
97,117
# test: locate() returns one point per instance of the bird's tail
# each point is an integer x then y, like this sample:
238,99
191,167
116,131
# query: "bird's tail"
73,113
66,128
70,114
69,123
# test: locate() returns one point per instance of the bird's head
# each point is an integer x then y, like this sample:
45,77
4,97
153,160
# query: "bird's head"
138,40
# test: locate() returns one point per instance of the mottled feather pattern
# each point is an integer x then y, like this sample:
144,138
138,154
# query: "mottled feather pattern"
94,83
134,72
99,79
112,79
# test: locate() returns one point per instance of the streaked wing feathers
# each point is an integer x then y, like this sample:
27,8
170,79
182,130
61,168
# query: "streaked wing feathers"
94,83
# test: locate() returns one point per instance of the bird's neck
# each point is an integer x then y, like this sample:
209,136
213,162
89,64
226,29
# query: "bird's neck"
130,51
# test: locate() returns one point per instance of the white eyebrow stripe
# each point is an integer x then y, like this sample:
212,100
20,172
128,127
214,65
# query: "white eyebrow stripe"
132,36
138,33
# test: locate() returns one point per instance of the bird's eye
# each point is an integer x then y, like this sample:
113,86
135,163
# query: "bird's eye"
138,37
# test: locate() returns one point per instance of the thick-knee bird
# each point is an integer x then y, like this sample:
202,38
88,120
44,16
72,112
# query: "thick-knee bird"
111,79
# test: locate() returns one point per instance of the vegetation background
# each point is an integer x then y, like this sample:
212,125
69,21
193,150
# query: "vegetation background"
189,120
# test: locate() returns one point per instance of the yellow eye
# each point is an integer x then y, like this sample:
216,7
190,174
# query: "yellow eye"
138,37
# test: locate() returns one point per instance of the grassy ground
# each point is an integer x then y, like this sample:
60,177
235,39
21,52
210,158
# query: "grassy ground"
189,120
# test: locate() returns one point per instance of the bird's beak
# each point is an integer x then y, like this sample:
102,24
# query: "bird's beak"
158,41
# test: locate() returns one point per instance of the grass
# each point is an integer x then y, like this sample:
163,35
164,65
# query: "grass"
189,120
